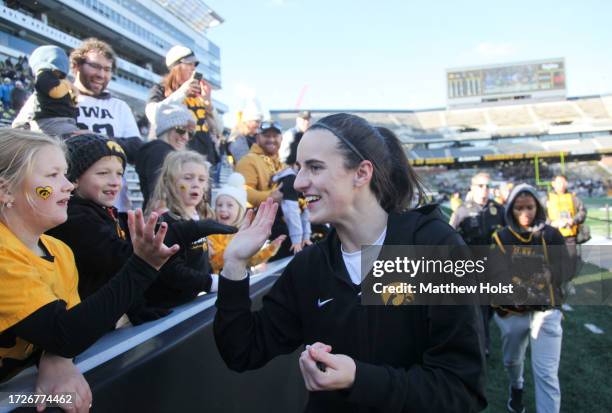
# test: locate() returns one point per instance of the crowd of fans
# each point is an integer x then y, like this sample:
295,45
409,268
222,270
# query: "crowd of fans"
177,165
16,86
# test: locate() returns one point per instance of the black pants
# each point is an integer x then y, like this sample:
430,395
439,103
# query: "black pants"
572,250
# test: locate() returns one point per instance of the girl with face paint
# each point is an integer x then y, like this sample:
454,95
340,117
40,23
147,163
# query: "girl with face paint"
40,308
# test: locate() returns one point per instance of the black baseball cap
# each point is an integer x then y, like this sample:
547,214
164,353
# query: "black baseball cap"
266,125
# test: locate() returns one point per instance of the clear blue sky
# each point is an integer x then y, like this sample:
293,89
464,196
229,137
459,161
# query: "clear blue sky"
393,54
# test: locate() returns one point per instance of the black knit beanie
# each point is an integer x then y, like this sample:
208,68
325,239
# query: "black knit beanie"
85,150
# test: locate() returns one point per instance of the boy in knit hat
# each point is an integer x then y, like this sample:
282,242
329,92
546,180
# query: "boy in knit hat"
99,242
174,125
56,111
230,204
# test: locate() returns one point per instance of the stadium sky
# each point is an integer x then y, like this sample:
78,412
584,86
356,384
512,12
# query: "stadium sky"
393,54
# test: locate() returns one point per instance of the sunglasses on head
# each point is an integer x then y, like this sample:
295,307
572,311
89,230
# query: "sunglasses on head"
195,63
269,125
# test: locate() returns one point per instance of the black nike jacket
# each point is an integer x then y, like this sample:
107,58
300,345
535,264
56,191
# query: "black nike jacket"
409,358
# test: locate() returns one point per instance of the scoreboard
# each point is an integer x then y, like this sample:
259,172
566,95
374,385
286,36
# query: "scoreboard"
513,81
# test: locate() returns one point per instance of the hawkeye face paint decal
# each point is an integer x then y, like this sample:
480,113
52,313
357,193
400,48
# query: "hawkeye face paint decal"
182,187
44,191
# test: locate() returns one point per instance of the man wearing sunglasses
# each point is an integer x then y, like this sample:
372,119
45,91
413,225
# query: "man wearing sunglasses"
477,220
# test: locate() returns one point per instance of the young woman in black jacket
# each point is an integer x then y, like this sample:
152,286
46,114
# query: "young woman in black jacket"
357,358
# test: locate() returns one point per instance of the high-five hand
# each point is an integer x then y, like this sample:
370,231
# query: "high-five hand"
147,244
249,239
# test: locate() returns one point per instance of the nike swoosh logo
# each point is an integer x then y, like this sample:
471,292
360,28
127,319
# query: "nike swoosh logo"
322,303
359,295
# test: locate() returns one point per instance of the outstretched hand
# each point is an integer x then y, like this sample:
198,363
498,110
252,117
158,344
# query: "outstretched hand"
251,236
147,244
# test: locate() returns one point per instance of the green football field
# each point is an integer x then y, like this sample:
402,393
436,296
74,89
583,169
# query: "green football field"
586,361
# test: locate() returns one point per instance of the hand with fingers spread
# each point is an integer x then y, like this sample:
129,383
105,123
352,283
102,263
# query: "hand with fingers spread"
295,248
147,244
339,369
252,234
59,375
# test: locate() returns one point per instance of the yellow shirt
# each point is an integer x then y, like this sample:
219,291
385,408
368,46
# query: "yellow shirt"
29,282
562,206
219,242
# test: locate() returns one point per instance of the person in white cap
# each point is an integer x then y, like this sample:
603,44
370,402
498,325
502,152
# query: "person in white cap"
184,86
245,133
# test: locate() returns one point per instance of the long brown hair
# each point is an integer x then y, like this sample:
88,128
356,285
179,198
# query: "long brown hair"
172,80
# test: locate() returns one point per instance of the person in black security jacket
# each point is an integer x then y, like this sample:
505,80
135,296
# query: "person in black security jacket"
174,128
377,359
476,220
479,217
533,252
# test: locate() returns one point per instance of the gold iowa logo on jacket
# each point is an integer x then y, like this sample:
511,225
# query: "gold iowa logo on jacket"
44,191
400,298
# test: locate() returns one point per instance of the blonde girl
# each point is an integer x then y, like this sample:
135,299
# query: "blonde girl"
40,309
230,209
182,189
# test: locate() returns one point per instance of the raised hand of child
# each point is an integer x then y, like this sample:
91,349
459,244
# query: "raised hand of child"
147,244
295,248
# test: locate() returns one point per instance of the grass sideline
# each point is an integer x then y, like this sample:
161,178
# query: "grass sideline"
586,360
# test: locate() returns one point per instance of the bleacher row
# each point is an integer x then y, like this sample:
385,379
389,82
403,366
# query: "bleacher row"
514,150
537,117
